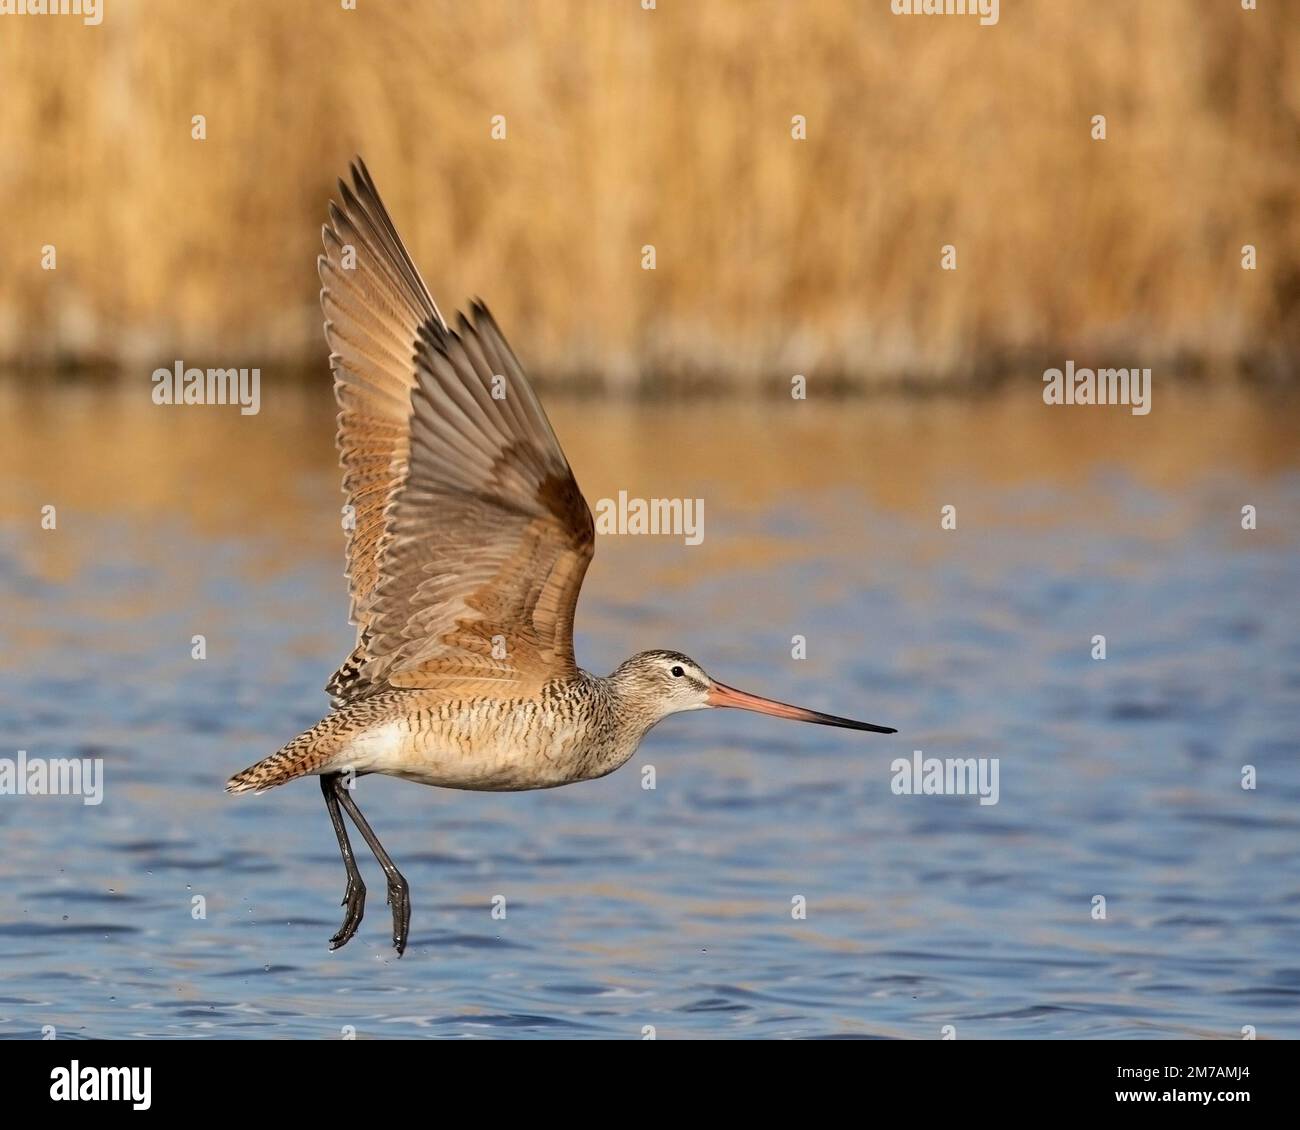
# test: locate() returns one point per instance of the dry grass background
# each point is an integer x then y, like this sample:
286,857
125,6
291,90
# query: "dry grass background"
669,127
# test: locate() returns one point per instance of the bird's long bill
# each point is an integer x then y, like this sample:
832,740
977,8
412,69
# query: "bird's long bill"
723,695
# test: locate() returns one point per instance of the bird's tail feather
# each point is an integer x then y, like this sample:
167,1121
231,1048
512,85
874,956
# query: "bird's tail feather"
307,753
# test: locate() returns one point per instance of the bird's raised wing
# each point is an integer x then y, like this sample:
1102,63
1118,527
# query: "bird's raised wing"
471,536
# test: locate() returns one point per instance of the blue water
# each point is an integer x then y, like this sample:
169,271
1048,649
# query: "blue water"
630,909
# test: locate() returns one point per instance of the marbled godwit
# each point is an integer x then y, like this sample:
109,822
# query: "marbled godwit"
469,544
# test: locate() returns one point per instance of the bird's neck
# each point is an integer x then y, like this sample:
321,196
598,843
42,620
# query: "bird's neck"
623,716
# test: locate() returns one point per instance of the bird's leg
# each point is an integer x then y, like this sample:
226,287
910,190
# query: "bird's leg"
354,898
399,897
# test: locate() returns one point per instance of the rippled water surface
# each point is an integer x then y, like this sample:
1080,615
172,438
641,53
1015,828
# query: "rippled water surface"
671,907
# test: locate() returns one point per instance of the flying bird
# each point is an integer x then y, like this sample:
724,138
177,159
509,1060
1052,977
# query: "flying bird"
469,541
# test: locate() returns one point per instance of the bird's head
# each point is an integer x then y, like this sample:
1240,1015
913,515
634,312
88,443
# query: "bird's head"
661,683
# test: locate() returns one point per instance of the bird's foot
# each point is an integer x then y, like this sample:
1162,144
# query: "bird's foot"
399,898
354,898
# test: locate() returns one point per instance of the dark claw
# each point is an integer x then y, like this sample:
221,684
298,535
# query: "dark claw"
399,898
355,900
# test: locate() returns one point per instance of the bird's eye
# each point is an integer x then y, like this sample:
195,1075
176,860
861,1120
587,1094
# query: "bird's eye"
677,672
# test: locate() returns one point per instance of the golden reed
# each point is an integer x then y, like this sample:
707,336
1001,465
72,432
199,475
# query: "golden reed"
670,127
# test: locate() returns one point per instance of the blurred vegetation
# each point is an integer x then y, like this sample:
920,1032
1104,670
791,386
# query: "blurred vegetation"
669,127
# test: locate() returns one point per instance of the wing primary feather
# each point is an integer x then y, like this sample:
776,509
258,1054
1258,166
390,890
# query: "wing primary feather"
471,537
